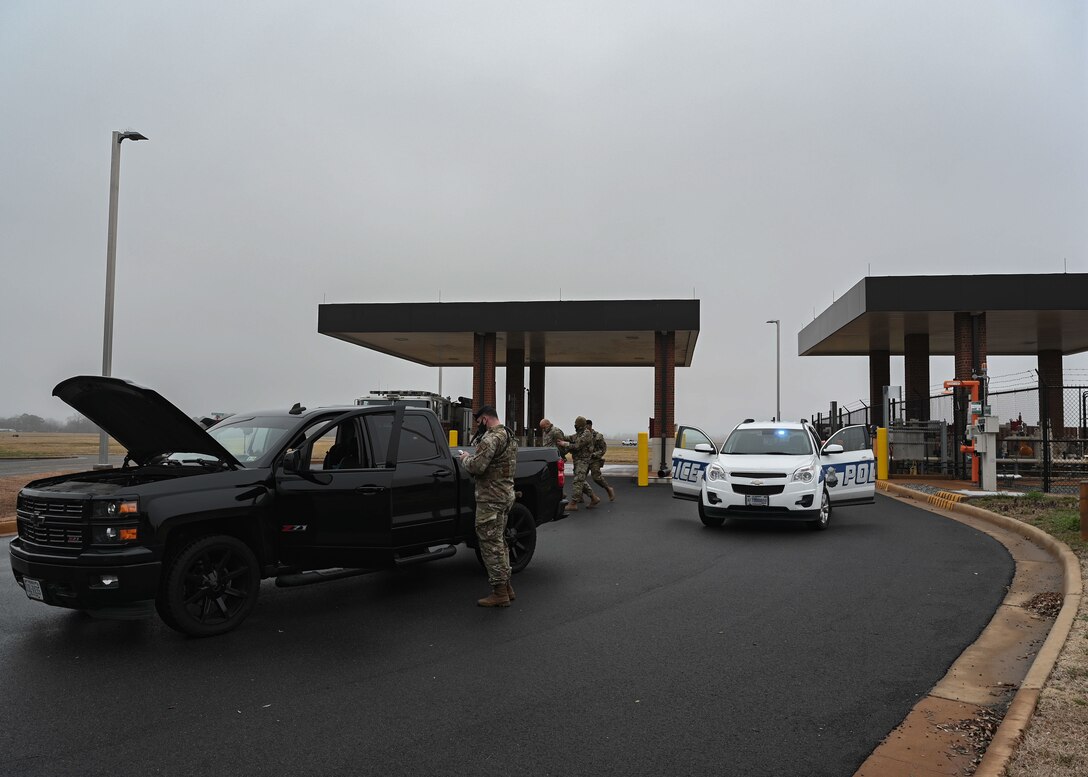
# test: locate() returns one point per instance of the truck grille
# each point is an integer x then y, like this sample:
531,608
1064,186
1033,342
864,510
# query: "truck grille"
55,522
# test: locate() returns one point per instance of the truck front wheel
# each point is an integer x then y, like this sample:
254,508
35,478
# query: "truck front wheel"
520,538
210,586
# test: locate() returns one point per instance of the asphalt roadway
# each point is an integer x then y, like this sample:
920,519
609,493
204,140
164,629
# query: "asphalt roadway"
641,643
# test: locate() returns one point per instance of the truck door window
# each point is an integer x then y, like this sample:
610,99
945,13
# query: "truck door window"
379,428
417,442
338,448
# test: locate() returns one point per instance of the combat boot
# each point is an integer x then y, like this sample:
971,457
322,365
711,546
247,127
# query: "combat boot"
596,500
510,591
611,493
572,507
498,598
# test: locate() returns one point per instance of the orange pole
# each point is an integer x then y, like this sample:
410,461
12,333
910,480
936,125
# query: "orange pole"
973,385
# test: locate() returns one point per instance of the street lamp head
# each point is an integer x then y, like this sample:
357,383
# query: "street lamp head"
773,321
131,135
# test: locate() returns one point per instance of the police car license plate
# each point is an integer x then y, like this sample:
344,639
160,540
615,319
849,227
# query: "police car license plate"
753,500
33,589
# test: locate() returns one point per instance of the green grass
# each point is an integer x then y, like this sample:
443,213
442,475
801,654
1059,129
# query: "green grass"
1058,516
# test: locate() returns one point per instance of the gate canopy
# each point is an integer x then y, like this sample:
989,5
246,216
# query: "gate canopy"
616,333
1025,314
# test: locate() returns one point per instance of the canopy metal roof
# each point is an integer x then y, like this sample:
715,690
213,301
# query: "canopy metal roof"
1024,314
557,334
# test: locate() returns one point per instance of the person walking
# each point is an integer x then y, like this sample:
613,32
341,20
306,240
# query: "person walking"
493,465
580,445
552,435
596,461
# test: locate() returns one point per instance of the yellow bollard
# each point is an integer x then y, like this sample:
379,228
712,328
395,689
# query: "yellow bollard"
644,458
453,438
881,453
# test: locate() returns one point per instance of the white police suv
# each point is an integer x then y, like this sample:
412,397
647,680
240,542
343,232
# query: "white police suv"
773,471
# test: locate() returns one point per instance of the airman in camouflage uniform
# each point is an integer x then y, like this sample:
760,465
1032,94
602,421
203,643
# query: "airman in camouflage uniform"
493,465
552,435
597,460
580,445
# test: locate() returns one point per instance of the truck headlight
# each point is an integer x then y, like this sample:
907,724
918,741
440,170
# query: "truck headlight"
115,508
113,535
804,474
715,472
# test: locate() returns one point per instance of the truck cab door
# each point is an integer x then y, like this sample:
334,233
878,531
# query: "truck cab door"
691,454
855,466
334,499
424,507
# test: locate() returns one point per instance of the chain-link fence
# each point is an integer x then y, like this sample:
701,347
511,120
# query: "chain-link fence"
1042,444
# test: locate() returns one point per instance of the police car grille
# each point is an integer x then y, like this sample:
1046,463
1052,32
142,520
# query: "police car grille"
758,475
739,488
56,522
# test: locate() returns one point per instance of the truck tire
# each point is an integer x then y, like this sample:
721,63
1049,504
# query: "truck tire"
520,538
210,586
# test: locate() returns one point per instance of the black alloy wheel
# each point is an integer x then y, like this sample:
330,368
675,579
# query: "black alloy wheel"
520,538
211,586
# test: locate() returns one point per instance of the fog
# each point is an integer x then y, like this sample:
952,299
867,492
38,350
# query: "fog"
761,157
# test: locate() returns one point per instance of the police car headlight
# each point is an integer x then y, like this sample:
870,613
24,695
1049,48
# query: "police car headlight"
715,472
804,474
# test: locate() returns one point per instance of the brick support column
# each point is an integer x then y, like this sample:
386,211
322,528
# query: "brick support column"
1051,380
483,369
664,384
515,390
969,333
880,375
536,395
916,375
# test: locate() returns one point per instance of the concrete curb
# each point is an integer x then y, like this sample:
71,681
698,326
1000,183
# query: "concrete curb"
1017,718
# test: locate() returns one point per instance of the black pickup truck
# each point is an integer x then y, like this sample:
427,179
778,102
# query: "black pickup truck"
194,519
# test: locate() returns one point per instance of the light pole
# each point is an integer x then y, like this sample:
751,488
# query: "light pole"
111,253
778,366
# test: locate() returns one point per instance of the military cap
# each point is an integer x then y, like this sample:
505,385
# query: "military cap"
580,421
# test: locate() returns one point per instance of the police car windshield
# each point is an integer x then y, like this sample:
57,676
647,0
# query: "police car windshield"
768,442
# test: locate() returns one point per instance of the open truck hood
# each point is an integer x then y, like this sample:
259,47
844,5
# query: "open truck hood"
142,420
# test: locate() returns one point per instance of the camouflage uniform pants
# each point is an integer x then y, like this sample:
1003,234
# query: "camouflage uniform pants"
595,472
581,470
490,531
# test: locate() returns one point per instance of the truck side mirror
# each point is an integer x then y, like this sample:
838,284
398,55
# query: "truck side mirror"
292,461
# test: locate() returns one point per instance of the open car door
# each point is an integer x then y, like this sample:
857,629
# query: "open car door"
691,454
855,466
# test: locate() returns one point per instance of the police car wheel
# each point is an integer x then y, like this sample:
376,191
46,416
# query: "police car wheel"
823,515
709,520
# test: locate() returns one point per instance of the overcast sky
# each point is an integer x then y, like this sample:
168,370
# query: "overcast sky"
763,156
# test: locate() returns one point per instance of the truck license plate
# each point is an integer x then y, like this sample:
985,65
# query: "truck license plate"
757,500
33,589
